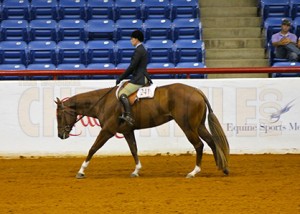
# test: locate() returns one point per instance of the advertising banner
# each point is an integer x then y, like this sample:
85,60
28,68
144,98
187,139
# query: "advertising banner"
258,116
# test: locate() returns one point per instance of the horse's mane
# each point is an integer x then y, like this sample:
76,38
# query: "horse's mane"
86,98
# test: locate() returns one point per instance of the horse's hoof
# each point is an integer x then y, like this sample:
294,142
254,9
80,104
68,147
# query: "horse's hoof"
134,175
190,175
226,171
80,176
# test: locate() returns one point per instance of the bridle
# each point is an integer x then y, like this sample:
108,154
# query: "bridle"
67,110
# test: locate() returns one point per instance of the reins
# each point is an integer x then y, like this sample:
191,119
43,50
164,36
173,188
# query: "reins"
95,104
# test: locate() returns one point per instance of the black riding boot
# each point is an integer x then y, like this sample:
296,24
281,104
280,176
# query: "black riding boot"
126,116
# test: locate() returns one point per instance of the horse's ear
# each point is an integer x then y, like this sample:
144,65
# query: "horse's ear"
57,101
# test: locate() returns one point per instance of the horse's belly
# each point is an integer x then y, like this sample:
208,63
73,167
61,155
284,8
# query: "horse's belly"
149,122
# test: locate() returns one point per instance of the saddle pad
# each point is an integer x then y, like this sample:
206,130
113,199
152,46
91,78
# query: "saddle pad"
146,92
143,92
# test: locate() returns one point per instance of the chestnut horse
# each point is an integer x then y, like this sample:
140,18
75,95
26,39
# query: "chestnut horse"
184,104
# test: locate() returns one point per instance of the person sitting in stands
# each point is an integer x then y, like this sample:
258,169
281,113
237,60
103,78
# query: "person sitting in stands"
285,43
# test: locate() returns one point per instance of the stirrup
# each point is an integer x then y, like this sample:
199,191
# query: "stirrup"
127,119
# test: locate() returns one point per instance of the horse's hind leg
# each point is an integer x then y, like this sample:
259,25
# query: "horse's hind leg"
193,137
206,136
130,138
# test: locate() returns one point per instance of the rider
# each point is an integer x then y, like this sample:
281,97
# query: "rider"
139,75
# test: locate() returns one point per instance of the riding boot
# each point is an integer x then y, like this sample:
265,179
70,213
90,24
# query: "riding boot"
126,116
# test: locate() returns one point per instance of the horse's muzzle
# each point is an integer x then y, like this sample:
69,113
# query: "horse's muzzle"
63,135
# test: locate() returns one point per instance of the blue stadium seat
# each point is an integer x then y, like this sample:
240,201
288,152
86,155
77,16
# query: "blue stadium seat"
161,65
100,9
158,29
158,9
295,8
189,50
43,30
286,64
101,51
44,9
124,51
13,52
41,67
14,30
71,66
42,52
12,67
187,28
69,29
100,29
124,27
71,52
184,9
122,65
72,9
275,8
128,9
15,9
101,66
160,51
296,26
192,65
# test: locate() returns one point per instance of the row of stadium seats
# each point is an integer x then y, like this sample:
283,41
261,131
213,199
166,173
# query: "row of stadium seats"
97,66
101,51
80,34
95,9
95,29
279,8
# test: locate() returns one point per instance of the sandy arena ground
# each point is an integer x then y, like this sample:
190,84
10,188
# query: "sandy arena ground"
257,184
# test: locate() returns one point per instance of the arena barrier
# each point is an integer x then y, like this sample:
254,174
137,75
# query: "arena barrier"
259,115
187,71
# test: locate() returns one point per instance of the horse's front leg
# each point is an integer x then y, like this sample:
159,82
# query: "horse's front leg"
130,138
100,141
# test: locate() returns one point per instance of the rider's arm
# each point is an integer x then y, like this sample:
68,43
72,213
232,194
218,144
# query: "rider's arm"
135,60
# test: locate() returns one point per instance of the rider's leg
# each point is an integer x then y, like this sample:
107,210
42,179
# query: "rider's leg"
123,97
126,116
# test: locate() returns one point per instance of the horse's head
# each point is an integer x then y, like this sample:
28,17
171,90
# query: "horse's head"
66,118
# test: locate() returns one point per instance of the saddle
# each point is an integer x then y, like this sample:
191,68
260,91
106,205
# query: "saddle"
146,91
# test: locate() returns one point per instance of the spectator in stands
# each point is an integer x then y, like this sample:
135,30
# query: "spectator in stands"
139,75
285,43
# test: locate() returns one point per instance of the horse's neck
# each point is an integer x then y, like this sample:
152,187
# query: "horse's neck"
85,103
84,107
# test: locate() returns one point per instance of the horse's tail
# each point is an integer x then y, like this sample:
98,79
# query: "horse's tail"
219,137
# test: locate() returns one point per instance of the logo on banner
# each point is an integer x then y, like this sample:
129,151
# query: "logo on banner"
276,116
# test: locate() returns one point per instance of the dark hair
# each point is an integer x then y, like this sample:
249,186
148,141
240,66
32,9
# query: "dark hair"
137,34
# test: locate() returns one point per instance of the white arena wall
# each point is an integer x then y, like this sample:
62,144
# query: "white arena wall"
258,116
